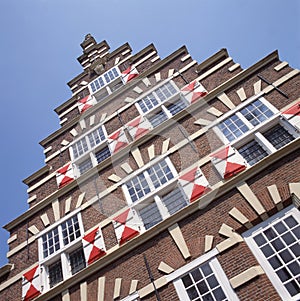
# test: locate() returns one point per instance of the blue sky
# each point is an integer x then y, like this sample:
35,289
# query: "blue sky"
40,44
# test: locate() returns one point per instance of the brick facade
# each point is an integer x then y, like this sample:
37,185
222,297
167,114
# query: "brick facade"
210,221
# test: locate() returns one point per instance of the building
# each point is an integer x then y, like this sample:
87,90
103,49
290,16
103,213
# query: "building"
168,179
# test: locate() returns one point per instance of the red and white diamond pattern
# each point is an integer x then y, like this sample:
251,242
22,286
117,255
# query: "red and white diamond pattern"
117,141
126,226
138,127
65,175
292,114
228,162
193,91
129,74
31,284
194,184
93,246
86,103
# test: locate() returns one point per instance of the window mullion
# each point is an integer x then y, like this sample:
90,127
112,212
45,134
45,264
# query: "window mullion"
149,181
244,120
265,144
161,207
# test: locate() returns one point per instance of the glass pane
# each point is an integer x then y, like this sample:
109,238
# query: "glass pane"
252,152
278,136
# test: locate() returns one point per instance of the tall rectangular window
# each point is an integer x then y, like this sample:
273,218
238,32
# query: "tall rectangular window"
60,251
77,260
276,245
150,215
51,242
55,273
70,230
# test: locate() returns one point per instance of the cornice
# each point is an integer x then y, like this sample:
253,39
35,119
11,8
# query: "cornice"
222,53
36,175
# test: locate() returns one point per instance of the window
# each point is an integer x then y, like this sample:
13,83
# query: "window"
60,251
256,112
203,279
81,150
278,136
161,104
246,119
174,200
266,143
102,154
55,273
105,80
275,244
85,166
77,260
156,97
153,211
252,152
70,230
149,180
150,215
51,242
154,193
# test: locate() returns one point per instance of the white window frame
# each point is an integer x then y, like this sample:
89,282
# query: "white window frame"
156,194
238,113
90,153
62,253
216,268
257,135
162,104
157,199
153,190
107,87
249,239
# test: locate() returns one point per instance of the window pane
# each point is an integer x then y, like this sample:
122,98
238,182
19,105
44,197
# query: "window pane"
160,173
278,136
96,136
176,107
50,242
174,200
79,148
102,154
85,166
137,187
70,230
232,127
77,260
256,112
282,251
158,118
150,215
148,103
202,284
55,273
252,152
